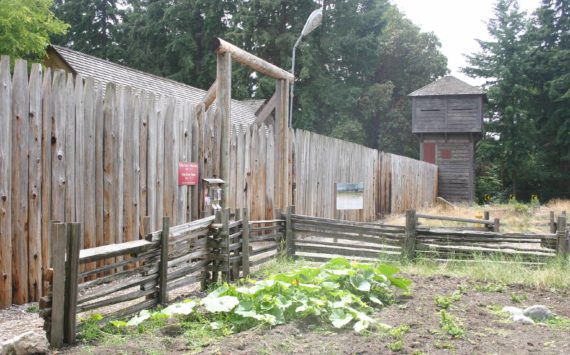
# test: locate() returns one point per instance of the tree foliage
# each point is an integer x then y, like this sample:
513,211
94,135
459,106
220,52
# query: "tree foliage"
26,26
526,64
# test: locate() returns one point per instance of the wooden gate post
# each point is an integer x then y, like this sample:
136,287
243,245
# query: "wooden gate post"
58,248
289,235
562,236
71,280
245,243
409,247
163,267
226,267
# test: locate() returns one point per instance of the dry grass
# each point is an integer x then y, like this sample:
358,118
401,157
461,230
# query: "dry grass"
514,217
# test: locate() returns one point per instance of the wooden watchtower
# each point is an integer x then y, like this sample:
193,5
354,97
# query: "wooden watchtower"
447,117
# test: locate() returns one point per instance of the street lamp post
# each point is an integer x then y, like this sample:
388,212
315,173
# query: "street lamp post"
314,20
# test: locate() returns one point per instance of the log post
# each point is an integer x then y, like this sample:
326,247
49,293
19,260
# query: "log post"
552,223
71,281
562,237
58,250
226,267
163,267
245,243
487,216
497,225
223,102
289,235
409,247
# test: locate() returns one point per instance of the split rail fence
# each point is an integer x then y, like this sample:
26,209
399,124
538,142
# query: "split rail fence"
138,275
72,150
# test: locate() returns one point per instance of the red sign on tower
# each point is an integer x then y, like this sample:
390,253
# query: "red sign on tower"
187,174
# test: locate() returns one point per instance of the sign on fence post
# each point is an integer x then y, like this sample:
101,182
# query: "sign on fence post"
187,173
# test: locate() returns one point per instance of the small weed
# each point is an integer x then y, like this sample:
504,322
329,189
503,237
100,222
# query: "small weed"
89,329
516,298
418,352
33,309
397,345
443,345
399,331
559,322
451,325
444,302
491,287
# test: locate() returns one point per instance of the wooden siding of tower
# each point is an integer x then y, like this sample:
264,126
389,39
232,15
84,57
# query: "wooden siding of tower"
451,114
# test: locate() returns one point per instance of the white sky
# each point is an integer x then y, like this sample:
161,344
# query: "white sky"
457,23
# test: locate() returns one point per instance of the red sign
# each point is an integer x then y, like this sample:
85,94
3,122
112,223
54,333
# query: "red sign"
187,174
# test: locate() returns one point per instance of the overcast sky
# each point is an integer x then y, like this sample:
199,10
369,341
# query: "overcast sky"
457,23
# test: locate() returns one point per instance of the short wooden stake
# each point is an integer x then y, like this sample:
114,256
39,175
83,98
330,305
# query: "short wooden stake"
562,236
497,225
409,247
289,235
487,216
226,242
552,223
245,243
58,249
71,281
163,268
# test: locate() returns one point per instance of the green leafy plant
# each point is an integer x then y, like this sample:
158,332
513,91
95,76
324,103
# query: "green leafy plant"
90,329
444,302
450,324
340,292
33,309
517,298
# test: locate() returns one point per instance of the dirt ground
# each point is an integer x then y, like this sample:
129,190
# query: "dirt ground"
486,331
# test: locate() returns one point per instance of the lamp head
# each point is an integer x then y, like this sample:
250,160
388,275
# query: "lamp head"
314,20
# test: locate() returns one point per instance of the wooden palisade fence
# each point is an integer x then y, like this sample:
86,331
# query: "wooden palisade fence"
139,274
72,150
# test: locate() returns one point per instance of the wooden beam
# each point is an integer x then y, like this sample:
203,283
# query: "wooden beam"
209,98
248,59
266,110
282,146
223,102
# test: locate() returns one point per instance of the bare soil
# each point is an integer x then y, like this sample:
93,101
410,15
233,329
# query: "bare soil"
486,331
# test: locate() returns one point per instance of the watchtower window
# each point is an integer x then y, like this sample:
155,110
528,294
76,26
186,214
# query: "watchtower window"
462,109
430,110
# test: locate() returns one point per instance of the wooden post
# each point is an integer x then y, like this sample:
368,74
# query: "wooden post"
5,183
409,247
145,233
163,269
282,144
289,235
552,223
225,233
562,236
71,280
58,246
223,101
245,243
497,225
487,216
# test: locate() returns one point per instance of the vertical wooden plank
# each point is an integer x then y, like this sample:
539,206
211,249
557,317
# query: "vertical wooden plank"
170,159
562,238
143,157
109,166
247,168
19,157
151,160
552,224
163,268
71,281
130,178
35,185
282,146
99,120
245,243
5,183
240,174
89,168
195,190
226,276
136,106
223,102
199,139
58,154
289,236
79,184
58,251
118,200
162,107
47,115
69,131
269,175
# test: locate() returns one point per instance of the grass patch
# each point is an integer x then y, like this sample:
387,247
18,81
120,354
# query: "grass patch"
559,322
496,271
518,298
33,309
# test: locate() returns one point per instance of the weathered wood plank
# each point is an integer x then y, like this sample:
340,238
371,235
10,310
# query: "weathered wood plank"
47,112
70,147
19,157
35,185
112,250
109,167
5,183
58,251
